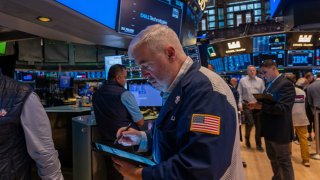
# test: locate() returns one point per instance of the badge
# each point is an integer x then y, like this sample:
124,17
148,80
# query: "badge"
3,112
177,99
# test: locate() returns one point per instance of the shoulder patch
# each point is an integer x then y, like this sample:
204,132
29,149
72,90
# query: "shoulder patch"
205,123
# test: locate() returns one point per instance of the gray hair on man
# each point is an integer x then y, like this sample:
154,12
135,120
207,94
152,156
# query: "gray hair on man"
156,37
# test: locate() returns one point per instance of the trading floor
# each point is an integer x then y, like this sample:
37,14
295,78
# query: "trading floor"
259,168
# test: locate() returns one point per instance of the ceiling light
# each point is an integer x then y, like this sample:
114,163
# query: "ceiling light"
44,19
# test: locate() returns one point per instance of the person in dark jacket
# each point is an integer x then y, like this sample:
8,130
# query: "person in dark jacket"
276,120
196,134
115,107
25,134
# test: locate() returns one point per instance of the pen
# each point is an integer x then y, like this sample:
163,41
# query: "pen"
115,141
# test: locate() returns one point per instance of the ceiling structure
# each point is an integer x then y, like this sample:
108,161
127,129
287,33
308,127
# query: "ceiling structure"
18,21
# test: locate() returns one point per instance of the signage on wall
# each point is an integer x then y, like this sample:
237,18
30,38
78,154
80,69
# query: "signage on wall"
234,46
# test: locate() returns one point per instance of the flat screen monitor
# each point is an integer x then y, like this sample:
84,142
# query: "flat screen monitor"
65,81
3,48
237,62
111,60
276,56
300,58
193,52
317,60
135,15
268,43
218,65
102,11
146,95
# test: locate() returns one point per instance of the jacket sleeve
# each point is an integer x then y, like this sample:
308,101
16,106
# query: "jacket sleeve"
199,155
39,141
285,100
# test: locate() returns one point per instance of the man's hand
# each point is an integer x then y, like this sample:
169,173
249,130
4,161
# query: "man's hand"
254,105
130,137
127,169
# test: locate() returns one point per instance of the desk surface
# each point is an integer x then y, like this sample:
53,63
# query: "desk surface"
67,109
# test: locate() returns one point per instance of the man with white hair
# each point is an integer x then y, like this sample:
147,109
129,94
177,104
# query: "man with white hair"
196,134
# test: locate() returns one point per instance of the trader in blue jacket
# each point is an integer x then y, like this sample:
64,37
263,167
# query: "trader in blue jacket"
196,134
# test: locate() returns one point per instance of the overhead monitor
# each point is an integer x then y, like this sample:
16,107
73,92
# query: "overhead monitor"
193,52
135,15
145,94
300,58
102,11
65,82
276,56
218,65
317,60
301,40
268,43
237,62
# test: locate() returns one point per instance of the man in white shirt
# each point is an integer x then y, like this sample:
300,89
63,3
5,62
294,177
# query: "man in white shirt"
248,86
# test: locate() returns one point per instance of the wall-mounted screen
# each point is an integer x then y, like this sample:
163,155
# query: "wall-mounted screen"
145,94
300,58
317,60
193,52
300,40
276,56
218,65
65,81
102,11
135,15
233,47
237,62
111,60
268,43
3,48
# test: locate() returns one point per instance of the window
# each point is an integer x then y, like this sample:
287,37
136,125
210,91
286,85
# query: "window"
257,5
230,23
236,8
211,18
211,11
248,17
267,7
220,14
239,19
230,9
212,25
257,18
230,16
203,25
243,7
221,24
250,6
257,12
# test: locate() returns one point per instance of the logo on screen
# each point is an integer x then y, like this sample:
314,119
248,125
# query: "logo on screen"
175,13
234,45
304,38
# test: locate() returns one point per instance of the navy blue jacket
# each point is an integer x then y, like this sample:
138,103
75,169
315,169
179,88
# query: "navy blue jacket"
184,154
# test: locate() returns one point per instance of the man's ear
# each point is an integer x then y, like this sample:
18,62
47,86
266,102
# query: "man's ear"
171,53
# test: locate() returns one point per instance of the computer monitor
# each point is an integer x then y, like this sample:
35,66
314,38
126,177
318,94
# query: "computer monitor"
65,81
300,58
111,60
145,94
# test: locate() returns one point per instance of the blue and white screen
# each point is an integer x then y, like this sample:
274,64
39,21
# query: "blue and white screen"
146,95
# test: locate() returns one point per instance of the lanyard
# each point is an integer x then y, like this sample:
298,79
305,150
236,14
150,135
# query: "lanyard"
269,84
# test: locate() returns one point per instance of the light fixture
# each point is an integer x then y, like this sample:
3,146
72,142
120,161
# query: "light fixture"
44,19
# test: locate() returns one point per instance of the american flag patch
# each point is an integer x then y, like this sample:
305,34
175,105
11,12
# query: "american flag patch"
205,123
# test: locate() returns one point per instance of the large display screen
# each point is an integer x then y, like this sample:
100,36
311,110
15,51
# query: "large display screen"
237,62
276,56
300,40
135,15
269,43
3,47
193,52
218,65
145,94
300,58
317,60
102,11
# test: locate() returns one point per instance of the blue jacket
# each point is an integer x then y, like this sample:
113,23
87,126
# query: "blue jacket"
186,154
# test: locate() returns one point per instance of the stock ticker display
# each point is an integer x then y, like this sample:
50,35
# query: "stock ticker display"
276,56
268,43
300,58
218,65
237,62
317,60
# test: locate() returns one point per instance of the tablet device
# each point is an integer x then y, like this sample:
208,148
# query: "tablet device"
125,155
264,98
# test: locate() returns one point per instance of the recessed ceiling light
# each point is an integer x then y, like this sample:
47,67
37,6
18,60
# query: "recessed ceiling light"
44,19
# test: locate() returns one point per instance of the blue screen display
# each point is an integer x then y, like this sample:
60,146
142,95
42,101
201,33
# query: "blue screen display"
300,58
269,43
102,11
237,62
135,15
146,95
276,56
274,4
218,65
65,82
317,61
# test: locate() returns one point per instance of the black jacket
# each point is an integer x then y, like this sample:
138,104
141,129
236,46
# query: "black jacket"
276,118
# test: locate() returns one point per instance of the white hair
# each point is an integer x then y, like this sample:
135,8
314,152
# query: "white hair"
156,37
